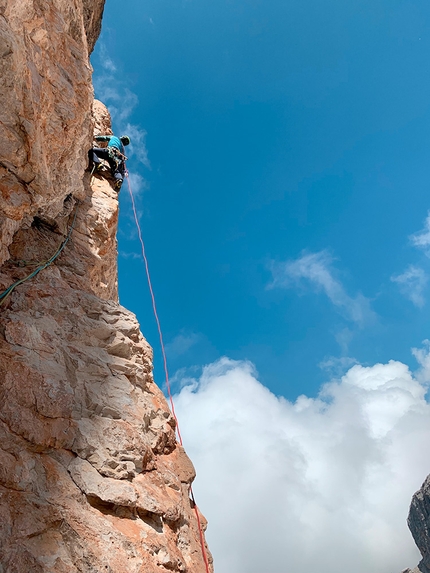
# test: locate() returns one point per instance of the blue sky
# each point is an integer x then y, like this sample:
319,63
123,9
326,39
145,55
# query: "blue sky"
272,129
281,162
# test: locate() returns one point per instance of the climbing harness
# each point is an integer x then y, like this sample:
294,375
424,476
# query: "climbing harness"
115,152
42,265
166,372
116,156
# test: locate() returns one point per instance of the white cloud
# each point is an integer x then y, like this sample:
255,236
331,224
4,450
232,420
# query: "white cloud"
317,268
138,146
123,107
336,366
344,338
422,238
106,62
121,102
422,356
186,377
412,284
137,182
319,485
129,255
182,343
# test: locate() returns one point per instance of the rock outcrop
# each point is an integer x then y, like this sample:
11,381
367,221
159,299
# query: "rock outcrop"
419,525
91,476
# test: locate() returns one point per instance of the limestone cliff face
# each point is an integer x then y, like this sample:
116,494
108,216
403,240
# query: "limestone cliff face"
91,476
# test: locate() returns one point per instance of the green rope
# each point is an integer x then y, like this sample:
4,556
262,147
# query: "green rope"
42,266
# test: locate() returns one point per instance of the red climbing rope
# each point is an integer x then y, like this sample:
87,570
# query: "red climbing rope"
154,308
199,525
166,372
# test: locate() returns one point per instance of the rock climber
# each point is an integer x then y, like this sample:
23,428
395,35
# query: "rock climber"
113,154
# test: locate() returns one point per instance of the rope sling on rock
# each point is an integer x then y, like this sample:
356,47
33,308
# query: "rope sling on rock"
166,372
43,265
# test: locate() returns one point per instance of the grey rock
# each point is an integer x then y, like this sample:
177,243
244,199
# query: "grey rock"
419,525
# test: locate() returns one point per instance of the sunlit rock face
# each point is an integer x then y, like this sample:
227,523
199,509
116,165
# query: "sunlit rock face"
91,476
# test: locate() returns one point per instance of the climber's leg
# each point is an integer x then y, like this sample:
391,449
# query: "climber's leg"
118,180
95,155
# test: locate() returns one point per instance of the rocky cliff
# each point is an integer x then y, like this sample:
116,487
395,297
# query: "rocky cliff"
91,476
419,524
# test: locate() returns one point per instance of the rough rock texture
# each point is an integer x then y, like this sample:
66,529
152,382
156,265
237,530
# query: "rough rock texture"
91,476
45,116
419,524
93,12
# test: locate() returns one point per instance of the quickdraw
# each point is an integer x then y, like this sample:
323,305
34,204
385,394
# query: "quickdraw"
116,156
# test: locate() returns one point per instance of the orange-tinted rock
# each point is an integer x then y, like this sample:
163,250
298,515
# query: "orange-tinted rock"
45,116
91,475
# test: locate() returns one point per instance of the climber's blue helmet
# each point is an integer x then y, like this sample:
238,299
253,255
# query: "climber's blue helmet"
125,140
